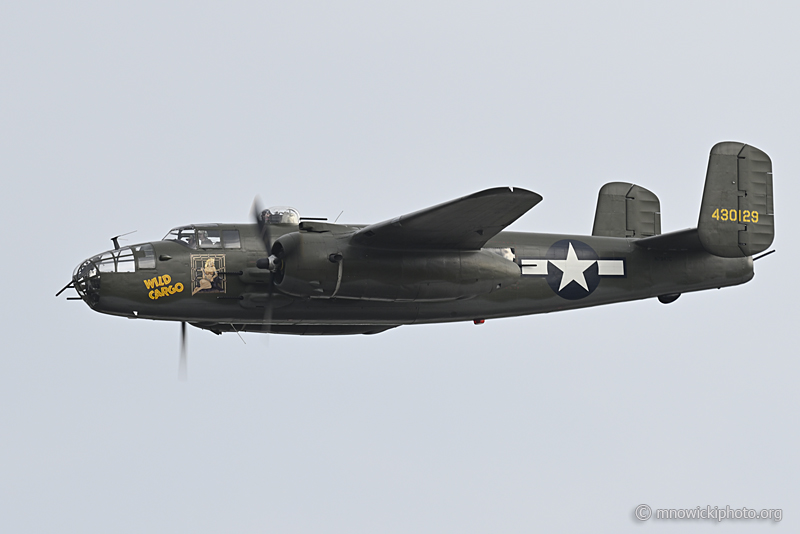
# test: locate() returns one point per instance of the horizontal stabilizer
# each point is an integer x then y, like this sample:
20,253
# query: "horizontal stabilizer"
626,210
680,240
466,223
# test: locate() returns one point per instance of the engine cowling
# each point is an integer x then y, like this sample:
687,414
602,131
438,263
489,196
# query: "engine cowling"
306,267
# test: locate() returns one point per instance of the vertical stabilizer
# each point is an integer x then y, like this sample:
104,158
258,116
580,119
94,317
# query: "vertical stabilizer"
737,214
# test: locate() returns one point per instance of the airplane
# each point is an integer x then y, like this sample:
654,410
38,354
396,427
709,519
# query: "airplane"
455,261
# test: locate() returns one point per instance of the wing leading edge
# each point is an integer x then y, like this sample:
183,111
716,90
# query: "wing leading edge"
466,223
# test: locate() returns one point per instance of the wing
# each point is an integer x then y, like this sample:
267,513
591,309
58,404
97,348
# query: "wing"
466,223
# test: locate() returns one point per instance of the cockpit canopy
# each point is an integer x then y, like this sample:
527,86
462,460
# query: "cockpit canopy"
204,236
280,215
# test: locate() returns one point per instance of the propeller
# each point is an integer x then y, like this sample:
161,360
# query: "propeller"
271,263
182,364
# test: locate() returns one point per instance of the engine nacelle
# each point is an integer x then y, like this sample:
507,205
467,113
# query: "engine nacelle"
307,268
325,265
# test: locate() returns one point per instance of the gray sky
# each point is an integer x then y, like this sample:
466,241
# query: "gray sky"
150,115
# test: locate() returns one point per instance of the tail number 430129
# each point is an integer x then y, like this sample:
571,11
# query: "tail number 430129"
744,216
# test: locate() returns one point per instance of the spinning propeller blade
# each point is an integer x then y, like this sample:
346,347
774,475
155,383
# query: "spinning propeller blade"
182,365
266,263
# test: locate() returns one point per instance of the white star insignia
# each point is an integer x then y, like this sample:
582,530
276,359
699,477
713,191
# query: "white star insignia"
572,269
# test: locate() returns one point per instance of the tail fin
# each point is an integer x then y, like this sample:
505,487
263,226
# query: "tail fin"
737,214
626,210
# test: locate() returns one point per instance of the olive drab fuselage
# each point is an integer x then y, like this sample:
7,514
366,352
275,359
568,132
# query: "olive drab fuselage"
451,262
386,287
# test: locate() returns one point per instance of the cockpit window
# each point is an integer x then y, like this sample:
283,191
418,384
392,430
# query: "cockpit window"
230,239
146,256
184,235
209,239
281,215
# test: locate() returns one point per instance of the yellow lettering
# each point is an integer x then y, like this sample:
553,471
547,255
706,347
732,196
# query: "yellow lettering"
167,279
724,214
746,216
150,284
755,216
165,291
160,282
733,215
715,215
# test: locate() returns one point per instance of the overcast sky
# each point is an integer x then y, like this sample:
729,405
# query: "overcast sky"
148,115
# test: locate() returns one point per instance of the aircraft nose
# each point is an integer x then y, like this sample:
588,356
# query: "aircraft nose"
86,279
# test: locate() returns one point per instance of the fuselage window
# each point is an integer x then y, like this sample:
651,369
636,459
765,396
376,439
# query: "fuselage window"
120,261
230,239
125,260
209,239
146,256
105,264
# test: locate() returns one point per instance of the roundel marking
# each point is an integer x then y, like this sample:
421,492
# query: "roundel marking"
572,268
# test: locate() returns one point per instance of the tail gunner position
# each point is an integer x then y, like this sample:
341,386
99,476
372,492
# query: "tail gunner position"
451,262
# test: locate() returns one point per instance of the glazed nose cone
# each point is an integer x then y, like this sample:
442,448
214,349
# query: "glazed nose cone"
86,279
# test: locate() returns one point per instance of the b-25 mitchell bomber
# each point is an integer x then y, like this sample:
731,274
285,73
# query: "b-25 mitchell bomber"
451,262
